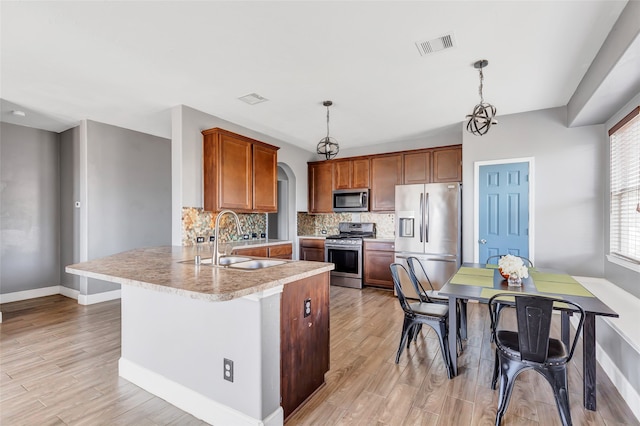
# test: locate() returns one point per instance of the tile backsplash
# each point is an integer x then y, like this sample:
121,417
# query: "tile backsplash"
196,222
314,224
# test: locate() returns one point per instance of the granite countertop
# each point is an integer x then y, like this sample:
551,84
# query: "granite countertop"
164,269
317,237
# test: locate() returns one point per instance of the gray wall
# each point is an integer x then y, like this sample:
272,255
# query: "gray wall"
69,214
568,182
129,192
29,208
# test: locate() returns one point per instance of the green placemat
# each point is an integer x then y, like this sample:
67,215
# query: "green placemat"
489,292
562,288
557,278
491,266
465,270
479,280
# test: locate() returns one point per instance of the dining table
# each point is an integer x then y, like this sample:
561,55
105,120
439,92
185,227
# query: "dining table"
479,282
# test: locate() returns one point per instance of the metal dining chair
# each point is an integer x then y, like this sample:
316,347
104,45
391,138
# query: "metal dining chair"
418,313
419,276
531,347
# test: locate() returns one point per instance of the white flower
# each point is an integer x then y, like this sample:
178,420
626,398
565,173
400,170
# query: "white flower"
511,264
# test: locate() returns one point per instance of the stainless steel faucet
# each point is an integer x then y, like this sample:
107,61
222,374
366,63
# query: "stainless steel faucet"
216,254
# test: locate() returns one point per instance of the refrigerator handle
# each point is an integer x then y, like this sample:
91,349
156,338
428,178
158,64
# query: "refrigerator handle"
426,219
421,216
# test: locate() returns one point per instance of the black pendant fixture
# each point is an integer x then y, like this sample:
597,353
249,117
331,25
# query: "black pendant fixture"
483,115
328,146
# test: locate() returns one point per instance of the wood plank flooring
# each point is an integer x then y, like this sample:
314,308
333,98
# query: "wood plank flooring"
58,366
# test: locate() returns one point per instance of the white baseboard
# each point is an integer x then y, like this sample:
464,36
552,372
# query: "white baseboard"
190,401
90,299
69,292
29,294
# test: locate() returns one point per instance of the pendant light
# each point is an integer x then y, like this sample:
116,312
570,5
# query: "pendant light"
483,115
328,146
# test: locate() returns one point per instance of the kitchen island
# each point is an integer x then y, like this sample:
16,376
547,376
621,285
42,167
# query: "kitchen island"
182,323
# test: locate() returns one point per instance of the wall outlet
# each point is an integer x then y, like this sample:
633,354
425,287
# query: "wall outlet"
307,307
227,365
324,231
263,235
245,237
212,238
199,239
254,235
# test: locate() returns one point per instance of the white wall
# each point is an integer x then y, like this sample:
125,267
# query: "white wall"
570,166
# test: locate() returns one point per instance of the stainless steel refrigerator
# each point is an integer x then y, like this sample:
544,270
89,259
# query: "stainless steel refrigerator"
428,226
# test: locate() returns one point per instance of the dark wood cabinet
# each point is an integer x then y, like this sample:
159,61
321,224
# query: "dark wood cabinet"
351,173
312,249
377,258
239,173
280,251
304,339
252,251
320,187
386,173
417,167
447,164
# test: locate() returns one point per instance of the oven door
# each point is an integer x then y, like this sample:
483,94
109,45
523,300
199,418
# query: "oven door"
348,264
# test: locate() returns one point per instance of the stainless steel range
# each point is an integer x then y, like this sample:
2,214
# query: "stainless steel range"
344,250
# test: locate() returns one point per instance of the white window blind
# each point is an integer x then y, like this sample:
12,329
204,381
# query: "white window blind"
625,188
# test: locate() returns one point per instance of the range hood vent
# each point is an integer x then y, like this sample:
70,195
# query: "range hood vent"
426,47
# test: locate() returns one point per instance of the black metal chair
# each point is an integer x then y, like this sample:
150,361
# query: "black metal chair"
415,314
531,347
527,262
419,276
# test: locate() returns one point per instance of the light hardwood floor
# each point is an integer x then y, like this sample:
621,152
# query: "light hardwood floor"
58,365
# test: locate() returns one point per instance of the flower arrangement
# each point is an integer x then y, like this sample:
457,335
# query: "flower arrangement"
512,265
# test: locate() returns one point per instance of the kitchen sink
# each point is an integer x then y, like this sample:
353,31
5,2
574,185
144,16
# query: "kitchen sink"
228,260
257,264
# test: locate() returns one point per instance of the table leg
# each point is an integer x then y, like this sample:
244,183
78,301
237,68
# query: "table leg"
453,334
589,361
565,328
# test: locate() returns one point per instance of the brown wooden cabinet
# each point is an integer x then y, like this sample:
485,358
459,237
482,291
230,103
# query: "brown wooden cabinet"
320,187
447,164
280,251
351,173
304,339
377,258
312,249
239,173
386,173
417,167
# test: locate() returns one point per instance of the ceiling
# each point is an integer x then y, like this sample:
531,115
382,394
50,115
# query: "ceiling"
128,63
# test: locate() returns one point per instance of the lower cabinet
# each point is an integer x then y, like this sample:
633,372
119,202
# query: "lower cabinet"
312,249
377,258
304,339
280,251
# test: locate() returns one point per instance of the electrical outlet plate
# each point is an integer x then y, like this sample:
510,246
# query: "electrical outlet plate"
245,237
199,239
307,307
227,366
212,238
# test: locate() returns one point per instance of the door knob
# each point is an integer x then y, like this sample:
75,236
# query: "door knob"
482,241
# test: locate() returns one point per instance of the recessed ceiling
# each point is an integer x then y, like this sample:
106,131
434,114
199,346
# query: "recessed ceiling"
129,63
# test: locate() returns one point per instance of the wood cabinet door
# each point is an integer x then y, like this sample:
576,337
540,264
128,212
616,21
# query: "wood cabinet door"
417,167
265,179
447,164
252,251
234,174
281,251
386,173
342,174
304,340
360,175
312,249
320,187
377,259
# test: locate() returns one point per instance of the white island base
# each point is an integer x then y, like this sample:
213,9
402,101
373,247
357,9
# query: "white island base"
174,346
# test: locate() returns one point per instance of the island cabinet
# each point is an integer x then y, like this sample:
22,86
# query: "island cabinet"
280,251
386,173
378,256
304,339
239,173
320,175
447,164
312,249
351,173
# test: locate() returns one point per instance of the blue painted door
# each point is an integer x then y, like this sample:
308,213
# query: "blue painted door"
504,210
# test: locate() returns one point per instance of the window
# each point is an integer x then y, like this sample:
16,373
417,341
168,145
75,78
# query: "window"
624,222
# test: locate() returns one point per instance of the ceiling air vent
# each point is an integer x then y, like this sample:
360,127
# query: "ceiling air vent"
253,98
434,45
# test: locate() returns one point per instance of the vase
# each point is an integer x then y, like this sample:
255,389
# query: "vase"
514,280
504,274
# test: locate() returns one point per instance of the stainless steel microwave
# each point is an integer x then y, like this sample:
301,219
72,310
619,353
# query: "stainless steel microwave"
351,200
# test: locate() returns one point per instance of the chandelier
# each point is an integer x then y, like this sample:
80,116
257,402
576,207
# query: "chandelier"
483,115
328,146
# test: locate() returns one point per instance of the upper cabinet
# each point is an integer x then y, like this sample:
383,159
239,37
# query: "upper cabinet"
351,173
417,167
386,173
447,164
239,173
320,187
